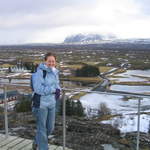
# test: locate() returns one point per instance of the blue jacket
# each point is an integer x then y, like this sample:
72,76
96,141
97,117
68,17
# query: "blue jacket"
46,87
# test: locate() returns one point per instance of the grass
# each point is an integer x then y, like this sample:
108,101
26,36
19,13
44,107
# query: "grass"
82,79
6,65
91,62
101,68
106,117
112,76
132,83
22,88
124,141
37,61
104,69
146,148
119,71
76,66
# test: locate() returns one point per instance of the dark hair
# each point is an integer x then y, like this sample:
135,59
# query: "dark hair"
49,54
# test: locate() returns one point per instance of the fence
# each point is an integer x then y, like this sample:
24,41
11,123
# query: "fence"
81,130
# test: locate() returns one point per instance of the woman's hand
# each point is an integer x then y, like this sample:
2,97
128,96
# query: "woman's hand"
57,93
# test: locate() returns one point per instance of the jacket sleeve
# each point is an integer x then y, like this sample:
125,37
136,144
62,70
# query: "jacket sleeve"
39,85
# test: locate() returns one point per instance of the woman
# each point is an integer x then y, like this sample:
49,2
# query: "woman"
45,83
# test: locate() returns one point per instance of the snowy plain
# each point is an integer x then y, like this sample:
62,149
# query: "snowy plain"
125,107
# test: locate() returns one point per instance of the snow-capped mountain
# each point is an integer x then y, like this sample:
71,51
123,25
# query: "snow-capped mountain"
100,39
87,38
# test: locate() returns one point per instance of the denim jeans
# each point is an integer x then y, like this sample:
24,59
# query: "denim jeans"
45,121
58,106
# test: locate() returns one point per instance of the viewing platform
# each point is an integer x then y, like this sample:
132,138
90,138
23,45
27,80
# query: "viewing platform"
18,143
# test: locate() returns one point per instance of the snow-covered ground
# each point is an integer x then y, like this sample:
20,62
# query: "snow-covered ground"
130,76
13,75
127,122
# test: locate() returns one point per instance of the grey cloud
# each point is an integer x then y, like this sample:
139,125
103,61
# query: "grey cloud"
10,7
46,18
21,19
144,5
16,36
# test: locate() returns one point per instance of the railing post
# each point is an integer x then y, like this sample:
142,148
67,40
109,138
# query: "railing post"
138,124
5,111
64,120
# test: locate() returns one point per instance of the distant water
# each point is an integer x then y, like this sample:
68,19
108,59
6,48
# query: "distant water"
1,91
127,88
129,79
128,73
145,73
24,81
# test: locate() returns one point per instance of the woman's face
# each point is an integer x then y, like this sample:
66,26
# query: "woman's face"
50,62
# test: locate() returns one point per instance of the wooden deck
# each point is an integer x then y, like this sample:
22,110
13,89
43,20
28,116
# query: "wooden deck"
17,143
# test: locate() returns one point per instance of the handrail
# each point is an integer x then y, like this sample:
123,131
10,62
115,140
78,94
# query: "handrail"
108,92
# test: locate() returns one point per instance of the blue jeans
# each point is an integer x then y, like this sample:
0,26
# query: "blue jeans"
58,105
45,122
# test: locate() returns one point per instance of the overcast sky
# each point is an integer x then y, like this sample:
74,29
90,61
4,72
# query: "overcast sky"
42,21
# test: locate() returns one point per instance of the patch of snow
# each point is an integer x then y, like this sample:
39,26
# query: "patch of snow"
26,73
13,75
127,122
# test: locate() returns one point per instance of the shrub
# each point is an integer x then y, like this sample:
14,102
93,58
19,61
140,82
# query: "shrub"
87,71
104,110
149,128
1,113
23,104
1,109
31,66
72,108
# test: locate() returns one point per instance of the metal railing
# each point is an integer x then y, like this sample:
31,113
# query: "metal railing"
4,86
